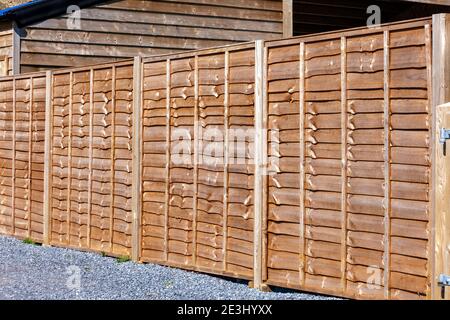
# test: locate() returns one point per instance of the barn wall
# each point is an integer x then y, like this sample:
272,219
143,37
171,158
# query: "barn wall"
6,50
122,29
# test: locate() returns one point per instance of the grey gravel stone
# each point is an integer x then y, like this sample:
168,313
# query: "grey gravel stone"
34,272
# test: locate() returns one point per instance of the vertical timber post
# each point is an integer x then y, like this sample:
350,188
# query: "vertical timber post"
48,156
442,205
288,18
16,50
226,124
301,168
344,164
387,166
168,158
90,158
260,157
439,206
136,162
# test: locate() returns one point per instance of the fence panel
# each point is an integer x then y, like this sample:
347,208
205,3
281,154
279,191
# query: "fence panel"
22,117
197,193
348,210
91,158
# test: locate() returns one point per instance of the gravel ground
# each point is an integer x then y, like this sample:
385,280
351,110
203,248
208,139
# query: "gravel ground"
34,272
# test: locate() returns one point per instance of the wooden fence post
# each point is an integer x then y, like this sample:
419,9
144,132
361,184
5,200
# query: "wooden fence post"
136,162
260,160
440,95
442,206
288,18
16,43
48,157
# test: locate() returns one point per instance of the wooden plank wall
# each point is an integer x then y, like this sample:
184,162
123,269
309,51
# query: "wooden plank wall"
350,202
6,51
123,29
198,211
22,117
92,158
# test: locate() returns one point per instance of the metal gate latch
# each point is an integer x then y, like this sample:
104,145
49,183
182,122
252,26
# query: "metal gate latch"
445,135
444,281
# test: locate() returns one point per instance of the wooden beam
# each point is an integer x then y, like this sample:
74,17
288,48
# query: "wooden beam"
288,21
91,153
69,158
387,168
302,163
167,176
13,160
30,155
113,157
265,162
429,64
344,132
259,160
16,50
48,158
197,126
442,205
136,160
226,124
440,95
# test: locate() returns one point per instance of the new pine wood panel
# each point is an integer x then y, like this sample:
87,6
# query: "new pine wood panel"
22,156
123,29
197,209
354,236
91,163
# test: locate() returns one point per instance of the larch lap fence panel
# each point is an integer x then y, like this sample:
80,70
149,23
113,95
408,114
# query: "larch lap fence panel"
198,206
91,158
351,197
22,129
331,189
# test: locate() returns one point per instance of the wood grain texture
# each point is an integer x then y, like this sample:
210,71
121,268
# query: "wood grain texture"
136,196
440,95
221,239
22,119
127,28
346,210
351,208
6,51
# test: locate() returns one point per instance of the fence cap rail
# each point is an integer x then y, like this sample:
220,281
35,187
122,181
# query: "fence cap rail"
201,52
353,32
36,74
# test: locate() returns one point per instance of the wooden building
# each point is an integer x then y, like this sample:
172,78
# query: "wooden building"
40,35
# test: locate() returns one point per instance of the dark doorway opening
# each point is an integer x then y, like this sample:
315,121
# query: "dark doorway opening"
314,16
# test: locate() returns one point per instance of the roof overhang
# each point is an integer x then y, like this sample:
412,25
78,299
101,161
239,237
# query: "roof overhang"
39,10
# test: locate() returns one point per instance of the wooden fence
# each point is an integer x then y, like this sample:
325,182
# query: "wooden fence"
351,195
22,129
199,213
334,192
